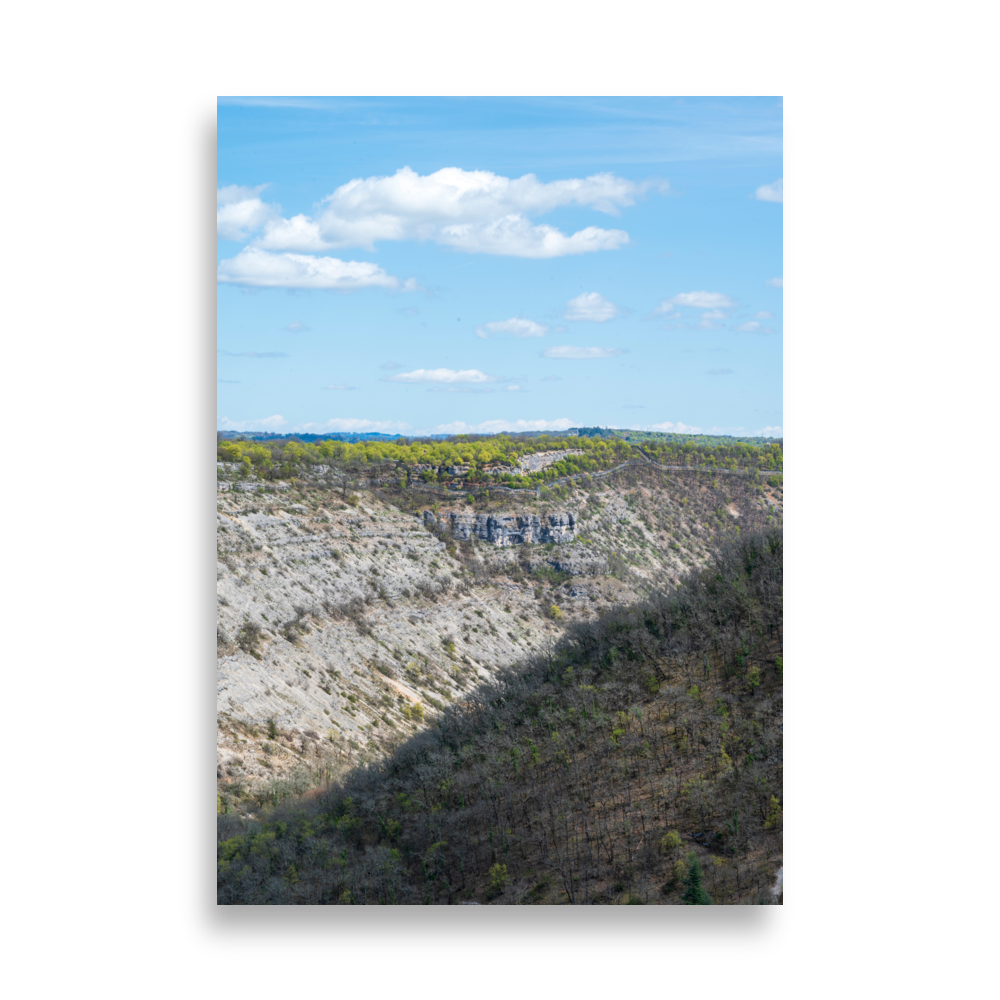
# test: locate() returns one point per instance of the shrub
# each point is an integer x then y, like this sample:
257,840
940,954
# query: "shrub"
499,878
249,636
669,842
556,613
774,815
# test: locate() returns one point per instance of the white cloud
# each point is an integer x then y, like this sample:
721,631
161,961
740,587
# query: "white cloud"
445,375
590,306
296,233
263,424
501,426
763,314
581,353
669,427
663,308
770,432
713,314
771,192
775,282
515,327
754,327
703,300
476,211
259,269
354,425
513,388
515,236
239,211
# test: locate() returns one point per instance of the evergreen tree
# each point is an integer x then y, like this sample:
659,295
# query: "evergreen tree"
694,894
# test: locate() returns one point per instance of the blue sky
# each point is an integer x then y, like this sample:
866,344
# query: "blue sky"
415,265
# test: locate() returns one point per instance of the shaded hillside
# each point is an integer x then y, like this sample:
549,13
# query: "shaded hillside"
639,761
346,622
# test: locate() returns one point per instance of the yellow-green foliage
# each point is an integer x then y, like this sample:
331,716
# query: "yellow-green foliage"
555,612
670,842
774,816
255,844
414,712
498,877
500,453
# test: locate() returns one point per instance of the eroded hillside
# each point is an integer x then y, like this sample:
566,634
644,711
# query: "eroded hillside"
347,621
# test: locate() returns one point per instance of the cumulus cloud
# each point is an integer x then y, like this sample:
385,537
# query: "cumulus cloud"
445,375
703,300
515,327
297,233
258,269
775,282
354,425
515,236
240,211
472,210
670,427
514,388
754,327
770,432
504,426
581,353
272,423
590,306
662,309
771,192
763,314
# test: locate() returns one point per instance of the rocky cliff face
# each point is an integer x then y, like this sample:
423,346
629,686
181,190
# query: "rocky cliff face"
508,529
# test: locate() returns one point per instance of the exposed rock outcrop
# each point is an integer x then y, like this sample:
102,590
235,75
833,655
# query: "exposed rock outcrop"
508,529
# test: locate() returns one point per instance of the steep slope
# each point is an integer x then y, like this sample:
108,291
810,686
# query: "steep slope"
346,622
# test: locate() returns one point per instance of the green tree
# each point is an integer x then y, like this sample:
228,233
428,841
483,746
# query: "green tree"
694,894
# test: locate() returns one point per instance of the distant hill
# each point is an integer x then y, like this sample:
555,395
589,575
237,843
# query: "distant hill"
706,440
